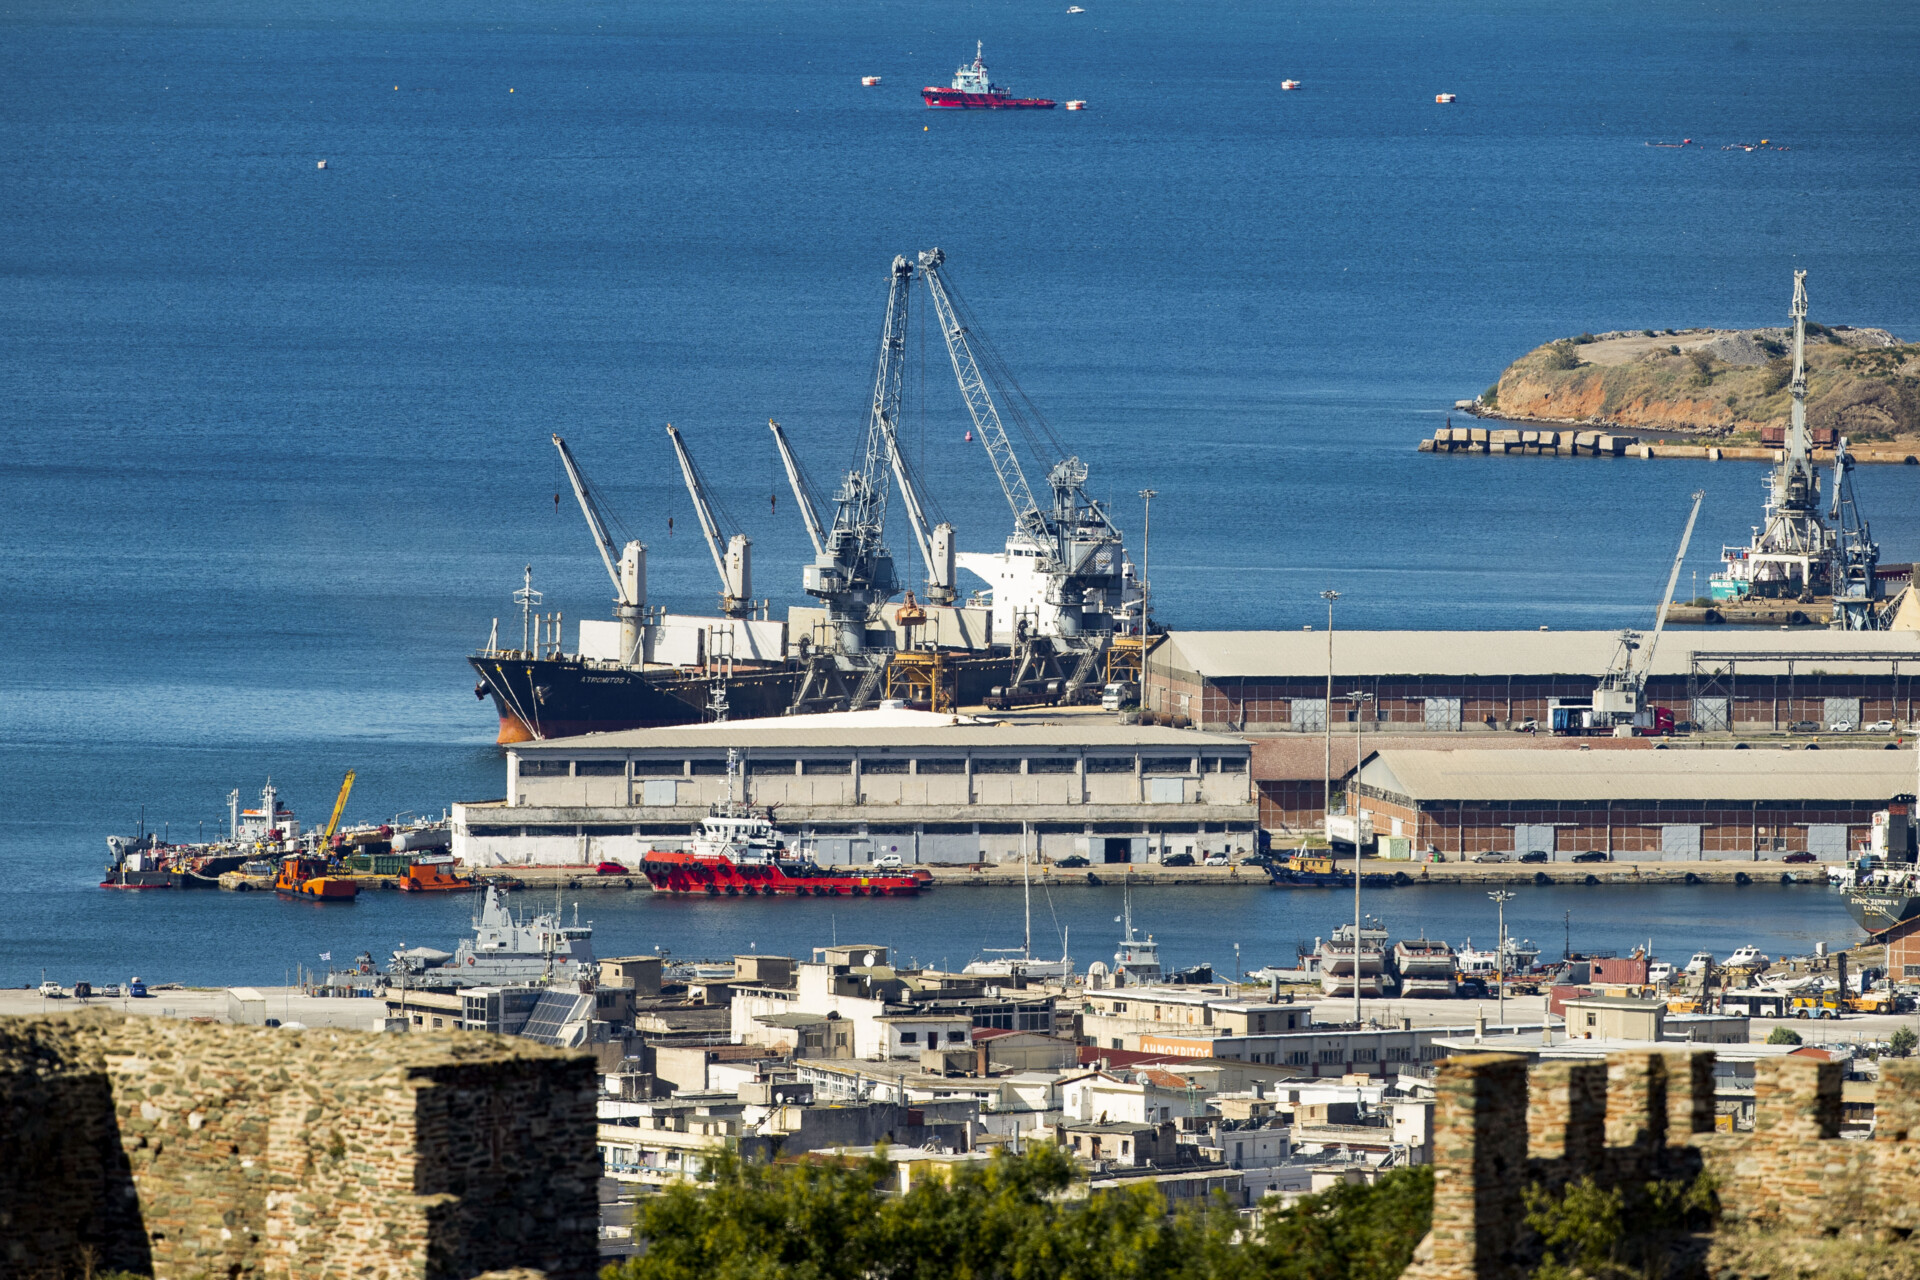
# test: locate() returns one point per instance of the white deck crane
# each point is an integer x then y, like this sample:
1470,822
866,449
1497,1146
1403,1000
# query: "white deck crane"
1063,576
628,569
934,540
1621,695
732,556
802,490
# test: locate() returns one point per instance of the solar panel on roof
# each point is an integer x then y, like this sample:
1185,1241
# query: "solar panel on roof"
551,1014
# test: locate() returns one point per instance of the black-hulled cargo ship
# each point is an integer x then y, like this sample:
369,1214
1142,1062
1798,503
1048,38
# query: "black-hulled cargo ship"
1885,885
565,695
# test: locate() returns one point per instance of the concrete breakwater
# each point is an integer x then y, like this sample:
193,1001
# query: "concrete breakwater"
1606,444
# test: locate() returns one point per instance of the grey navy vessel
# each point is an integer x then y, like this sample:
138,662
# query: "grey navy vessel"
505,950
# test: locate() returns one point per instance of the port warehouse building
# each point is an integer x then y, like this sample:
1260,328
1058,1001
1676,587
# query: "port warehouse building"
1447,686
932,788
1642,805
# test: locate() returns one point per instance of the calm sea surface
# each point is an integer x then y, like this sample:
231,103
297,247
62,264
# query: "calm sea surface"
276,437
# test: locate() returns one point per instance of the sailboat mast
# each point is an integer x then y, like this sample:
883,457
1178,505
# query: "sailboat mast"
1026,889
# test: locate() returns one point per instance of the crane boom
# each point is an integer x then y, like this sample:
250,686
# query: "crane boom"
1673,578
732,557
596,524
802,491
1027,515
935,540
339,807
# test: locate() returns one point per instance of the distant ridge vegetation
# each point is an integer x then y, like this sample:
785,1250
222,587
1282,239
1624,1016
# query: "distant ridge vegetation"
1729,384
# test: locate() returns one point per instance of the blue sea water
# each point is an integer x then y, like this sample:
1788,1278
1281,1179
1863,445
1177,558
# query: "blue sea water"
276,436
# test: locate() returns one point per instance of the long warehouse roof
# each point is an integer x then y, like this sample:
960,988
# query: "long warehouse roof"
1276,654
1703,775
862,729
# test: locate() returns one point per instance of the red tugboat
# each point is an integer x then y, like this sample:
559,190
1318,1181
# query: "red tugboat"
740,854
973,89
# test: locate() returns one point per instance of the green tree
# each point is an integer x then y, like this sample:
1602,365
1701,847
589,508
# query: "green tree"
1010,1218
1784,1035
1902,1042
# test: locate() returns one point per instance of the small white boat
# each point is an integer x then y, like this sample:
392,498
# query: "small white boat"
1701,961
869,81
1289,84
1444,98
323,164
1658,972
1076,104
1748,958
1074,8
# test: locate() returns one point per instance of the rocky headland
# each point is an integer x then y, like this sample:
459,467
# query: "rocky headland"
1724,386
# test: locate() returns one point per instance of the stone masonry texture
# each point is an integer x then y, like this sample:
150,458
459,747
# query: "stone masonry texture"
1796,1199
181,1151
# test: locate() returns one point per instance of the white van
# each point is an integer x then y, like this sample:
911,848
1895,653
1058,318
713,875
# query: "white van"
1112,696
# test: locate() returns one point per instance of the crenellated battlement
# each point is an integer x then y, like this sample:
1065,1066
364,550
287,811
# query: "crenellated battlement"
1500,1128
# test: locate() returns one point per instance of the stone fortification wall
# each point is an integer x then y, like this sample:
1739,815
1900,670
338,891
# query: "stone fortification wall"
1791,1191
185,1150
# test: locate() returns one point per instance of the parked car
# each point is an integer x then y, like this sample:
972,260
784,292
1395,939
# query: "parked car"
1804,726
1177,860
1495,856
137,989
1592,855
1799,857
82,990
1538,855
610,869
1840,726
1880,726
53,991
887,861
1217,860
110,990
1074,860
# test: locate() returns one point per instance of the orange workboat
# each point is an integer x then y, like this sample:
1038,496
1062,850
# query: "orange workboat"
307,878
433,874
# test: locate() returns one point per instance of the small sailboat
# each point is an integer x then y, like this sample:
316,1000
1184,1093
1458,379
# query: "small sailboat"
1021,964
1138,959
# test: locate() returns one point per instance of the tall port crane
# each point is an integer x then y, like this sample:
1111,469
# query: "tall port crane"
1620,697
1074,555
628,569
732,556
1851,576
802,489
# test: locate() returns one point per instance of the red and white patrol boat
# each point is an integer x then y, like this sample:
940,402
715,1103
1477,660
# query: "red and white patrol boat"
739,853
973,89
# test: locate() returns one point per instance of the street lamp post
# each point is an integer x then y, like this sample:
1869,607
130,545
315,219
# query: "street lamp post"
1326,715
1146,561
1359,699
1501,898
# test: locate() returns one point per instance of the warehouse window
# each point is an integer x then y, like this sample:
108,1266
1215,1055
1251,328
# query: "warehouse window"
886,765
543,768
492,831
828,766
600,768
940,766
912,1037
551,831
995,765
758,767
659,768
1166,764
1226,764
1298,1058
1109,764
1051,764
1329,1055
1364,1055
709,768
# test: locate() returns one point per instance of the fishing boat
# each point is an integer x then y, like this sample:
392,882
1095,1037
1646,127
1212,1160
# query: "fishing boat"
1138,959
433,873
973,89
1307,871
258,874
